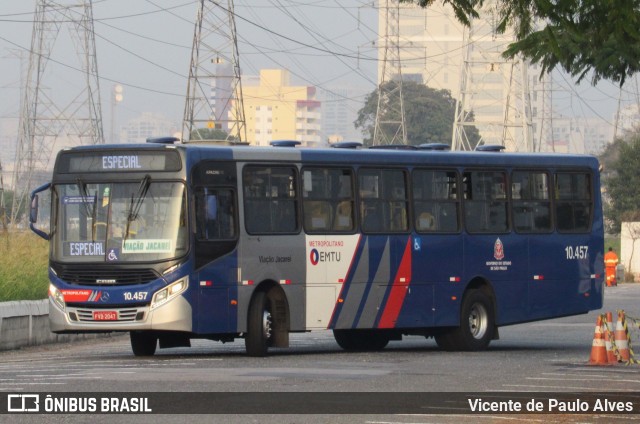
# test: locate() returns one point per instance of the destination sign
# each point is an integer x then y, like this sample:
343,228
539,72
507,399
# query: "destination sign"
83,248
119,161
147,246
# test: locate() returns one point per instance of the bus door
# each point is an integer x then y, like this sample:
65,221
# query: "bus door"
216,237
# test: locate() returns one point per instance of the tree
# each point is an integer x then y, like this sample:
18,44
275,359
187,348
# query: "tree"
583,37
210,134
429,115
623,184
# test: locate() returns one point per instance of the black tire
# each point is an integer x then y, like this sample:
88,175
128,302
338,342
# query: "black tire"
477,324
259,326
444,341
143,343
361,340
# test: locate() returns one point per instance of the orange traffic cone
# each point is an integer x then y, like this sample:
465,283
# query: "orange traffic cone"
608,340
598,349
622,338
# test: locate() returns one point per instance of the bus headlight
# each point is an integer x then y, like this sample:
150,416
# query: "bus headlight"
166,294
57,296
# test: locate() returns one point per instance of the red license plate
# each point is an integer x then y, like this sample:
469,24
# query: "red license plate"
105,316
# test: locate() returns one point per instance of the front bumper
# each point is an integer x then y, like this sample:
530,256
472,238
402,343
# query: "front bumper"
175,315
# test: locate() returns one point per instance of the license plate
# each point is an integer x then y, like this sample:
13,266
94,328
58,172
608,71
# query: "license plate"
105,316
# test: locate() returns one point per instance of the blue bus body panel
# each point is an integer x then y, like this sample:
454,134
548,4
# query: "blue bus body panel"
217,287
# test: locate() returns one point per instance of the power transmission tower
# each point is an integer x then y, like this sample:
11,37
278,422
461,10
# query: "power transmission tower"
45,118
389,126
214,90
542,89
494,92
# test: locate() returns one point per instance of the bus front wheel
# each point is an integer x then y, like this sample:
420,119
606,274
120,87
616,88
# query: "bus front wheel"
477,324
259,326
143,343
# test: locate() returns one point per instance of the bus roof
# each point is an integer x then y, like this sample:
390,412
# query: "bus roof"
195,152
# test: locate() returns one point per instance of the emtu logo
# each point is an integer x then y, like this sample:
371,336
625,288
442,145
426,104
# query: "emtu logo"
314,257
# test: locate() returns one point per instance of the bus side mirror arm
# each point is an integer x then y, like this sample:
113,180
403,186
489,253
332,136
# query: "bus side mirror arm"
33,211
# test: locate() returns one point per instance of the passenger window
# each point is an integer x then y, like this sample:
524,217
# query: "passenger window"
574,202
435,201
383,201
270,200
531,203
327,200
485,201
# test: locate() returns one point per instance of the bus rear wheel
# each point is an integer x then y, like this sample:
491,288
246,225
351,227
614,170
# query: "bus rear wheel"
143,343
259,326
477,324
361,340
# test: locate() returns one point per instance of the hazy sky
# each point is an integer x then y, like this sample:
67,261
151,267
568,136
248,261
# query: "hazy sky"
145,45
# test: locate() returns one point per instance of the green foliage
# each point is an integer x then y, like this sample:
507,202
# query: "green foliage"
210,134
23,266
583,37
622,182
5,215
429,115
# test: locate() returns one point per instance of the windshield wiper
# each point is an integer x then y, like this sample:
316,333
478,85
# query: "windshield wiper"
84,196
134,208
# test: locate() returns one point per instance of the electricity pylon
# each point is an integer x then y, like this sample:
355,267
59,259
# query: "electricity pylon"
46,119
389,126
494,91
214,90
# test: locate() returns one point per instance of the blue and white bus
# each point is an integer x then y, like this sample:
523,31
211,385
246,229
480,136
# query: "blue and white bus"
179,242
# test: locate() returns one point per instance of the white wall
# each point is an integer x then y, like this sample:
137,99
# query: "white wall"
629,232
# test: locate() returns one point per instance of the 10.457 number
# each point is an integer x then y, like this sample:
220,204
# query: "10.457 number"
577,252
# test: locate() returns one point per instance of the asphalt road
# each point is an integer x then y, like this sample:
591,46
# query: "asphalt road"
533,358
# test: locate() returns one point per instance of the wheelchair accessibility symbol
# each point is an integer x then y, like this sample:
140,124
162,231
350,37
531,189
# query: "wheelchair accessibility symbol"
417,244
113,255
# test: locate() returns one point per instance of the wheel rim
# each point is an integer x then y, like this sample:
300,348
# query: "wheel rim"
266,324
478,321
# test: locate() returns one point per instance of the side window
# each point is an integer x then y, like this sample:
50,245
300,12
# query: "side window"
531,203
327,200
435,201
270,199
574,202
383,200
215,214
485,201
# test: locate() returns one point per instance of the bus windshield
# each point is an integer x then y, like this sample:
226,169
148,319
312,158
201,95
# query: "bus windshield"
119,222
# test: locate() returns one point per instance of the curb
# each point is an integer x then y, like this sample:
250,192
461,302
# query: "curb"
26,323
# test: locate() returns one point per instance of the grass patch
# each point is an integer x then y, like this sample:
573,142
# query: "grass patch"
24,261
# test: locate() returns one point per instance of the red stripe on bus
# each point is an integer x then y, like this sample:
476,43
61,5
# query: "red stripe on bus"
398,291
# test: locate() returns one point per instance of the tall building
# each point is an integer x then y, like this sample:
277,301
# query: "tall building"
430,41
147,125
577,135
339,114
628,120
276,110
435,50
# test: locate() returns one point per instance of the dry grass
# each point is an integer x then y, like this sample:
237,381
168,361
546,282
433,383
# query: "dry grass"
23,266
